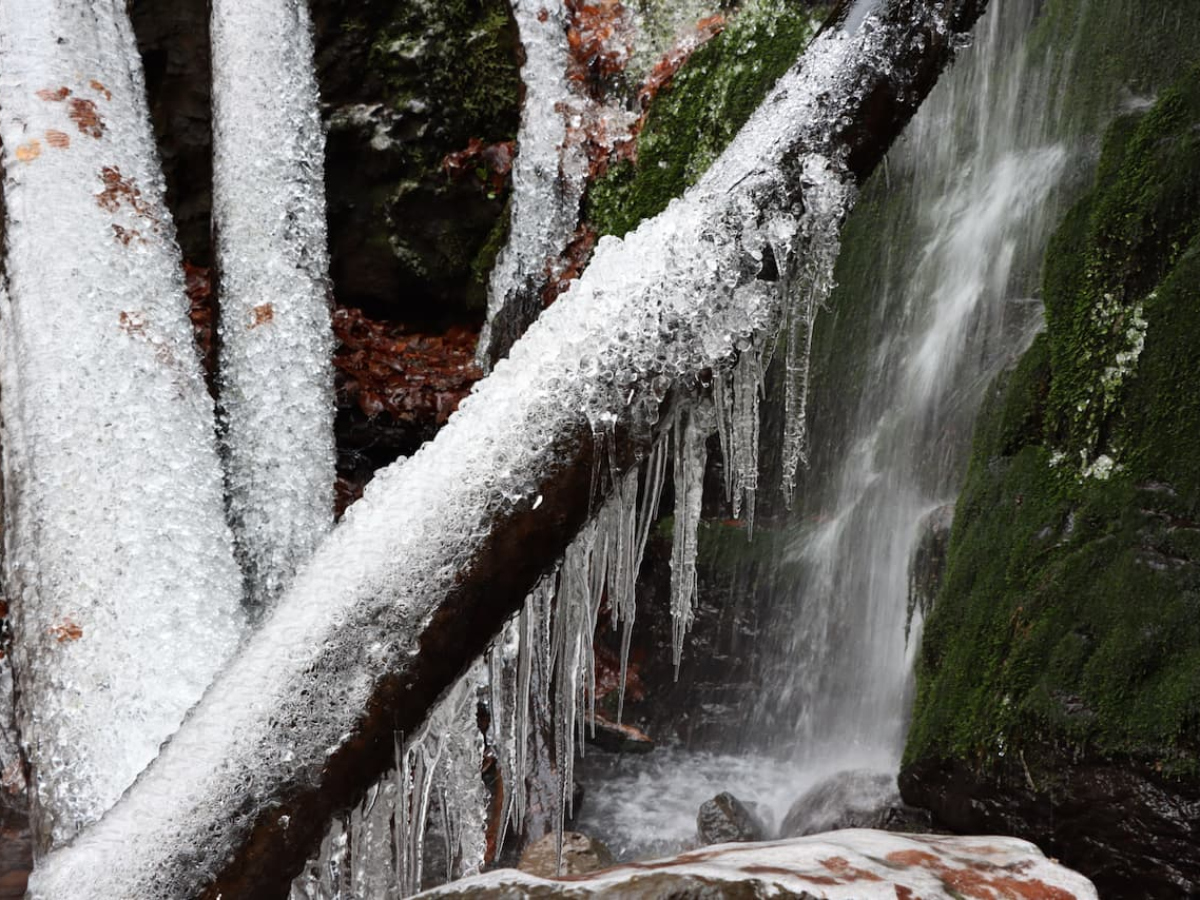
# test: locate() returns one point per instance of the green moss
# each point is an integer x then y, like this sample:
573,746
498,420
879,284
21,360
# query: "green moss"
1069,617
691,121
459,54
411,81
1121,51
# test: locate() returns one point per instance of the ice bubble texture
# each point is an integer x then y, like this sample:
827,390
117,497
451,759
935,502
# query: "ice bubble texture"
276,370
118,562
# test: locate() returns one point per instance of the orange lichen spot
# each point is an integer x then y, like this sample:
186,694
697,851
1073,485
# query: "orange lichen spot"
843,869
97,86
55,95
263,314
59,140
913,858
84,114
133,322
65,631
29,152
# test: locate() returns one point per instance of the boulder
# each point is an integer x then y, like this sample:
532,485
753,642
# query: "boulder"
861,864
725,819
852,799
580,854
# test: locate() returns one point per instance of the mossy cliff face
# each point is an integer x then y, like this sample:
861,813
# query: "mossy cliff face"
1059,677
405,84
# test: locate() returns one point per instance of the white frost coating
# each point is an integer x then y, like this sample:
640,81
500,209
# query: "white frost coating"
118,562
12,773
276,371
548,176
658,25
854,864
669,301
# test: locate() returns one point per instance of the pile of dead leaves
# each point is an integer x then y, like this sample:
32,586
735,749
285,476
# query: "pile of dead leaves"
382,368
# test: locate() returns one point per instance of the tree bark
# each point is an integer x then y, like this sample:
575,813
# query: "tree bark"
443,547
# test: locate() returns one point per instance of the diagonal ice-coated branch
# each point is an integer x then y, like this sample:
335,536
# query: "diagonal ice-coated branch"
444,546
118,562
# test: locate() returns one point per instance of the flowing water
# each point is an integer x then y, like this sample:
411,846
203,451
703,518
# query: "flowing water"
947,304
942,297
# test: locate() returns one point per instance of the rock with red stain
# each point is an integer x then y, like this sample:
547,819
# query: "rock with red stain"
855,864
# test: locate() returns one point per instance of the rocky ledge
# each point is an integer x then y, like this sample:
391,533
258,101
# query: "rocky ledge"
855,863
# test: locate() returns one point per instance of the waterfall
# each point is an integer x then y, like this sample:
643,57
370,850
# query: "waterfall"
118,562
276,372
946,304
938,291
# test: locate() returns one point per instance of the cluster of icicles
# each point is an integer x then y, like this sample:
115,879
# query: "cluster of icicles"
539,675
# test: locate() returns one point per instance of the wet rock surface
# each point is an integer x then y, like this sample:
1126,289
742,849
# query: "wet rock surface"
858,864
725,819
580,854
853,799
1135,833
406,85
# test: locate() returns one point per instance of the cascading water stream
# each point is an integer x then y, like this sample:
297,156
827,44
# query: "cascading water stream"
938,303
947,306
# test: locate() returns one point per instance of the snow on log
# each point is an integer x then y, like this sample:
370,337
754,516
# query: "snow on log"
118,562
408,590
276,370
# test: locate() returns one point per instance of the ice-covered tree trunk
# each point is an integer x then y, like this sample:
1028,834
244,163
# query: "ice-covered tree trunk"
118,562
276,342
443,547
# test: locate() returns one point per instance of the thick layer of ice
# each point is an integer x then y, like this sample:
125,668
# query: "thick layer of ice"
854,864
548,178
118,562
655,311
276,372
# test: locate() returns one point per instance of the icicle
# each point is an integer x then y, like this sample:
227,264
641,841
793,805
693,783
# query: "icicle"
647,511
276,368
826,200
691,455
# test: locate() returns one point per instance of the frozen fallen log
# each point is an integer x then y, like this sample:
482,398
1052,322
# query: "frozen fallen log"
443,547
118,563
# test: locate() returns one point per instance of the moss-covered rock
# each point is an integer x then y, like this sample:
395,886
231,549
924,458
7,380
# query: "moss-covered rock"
405,84
1067,630
690,122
